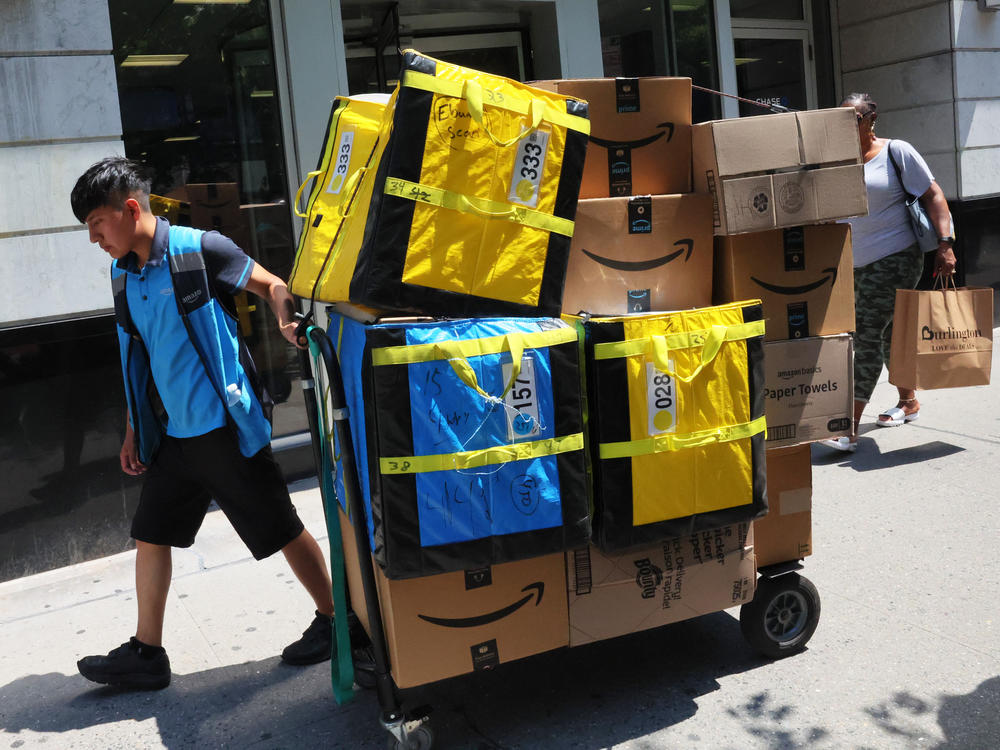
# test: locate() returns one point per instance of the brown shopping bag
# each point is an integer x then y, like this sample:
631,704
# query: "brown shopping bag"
942,338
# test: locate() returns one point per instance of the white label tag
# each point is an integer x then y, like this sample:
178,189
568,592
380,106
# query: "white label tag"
522,402
528,166
343,160
661,399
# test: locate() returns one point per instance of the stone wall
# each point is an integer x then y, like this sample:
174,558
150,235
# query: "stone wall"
58,114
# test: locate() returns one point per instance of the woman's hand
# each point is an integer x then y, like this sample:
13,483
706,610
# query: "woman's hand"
944,260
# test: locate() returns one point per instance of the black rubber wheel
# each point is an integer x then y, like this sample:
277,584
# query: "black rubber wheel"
421,738
782,616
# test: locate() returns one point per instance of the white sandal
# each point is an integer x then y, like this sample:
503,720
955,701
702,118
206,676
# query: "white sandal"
896,417
842,443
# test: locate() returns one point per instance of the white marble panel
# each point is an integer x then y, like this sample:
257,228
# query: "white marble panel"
906,84
52,275
976,74
33,26
980,170
944,167
904,36
314,41
859,11
931,129
60,97
979,123
36,182
579,38
974,28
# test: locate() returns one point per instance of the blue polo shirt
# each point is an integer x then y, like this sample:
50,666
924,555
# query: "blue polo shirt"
192,405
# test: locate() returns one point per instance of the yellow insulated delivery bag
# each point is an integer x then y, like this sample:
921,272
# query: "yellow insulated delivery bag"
474,198
338,203
686,452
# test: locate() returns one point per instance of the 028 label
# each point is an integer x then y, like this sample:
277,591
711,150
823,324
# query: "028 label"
528,165
661,399
522,401
343,158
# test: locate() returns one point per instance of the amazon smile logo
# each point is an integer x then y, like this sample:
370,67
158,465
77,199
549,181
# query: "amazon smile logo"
534,589
686,247
798,290
666,129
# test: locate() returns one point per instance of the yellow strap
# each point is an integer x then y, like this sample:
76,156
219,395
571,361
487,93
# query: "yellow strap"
408,354
710,347
685,340
500,100
468,204
345,206
474,98
298,193
500,454
467,374
671,442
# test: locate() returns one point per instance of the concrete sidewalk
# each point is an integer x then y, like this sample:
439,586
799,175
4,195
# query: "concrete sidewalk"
907,653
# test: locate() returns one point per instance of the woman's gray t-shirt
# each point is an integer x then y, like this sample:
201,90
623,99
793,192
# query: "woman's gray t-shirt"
886,228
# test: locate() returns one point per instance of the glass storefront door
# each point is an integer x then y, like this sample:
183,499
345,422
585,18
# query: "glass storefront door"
199,107
772,67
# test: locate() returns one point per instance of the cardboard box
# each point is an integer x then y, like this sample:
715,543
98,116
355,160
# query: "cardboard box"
612,595
785,533
804,276
640,134
809,389
780,170
450,624
640,254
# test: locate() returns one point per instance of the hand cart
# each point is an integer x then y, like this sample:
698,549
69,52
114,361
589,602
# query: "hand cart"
778,621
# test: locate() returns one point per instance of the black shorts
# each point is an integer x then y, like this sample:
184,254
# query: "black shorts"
188,473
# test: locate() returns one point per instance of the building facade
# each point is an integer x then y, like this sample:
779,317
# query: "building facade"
227,101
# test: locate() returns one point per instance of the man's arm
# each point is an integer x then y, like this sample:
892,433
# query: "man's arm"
275,292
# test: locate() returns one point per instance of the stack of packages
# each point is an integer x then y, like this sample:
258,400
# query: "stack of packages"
541,423
675,396
779,183
453,203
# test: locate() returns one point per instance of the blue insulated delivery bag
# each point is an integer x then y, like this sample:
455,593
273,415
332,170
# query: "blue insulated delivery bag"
469,435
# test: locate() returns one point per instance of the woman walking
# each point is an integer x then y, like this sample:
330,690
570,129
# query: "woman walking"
887,257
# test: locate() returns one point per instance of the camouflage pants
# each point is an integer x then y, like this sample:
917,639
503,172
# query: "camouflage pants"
875,288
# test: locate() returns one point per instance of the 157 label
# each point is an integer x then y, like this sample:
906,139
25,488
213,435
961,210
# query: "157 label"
661,400
527,177
343,157
522,401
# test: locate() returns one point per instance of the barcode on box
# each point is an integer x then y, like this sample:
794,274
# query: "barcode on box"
581,566
780,432
710,177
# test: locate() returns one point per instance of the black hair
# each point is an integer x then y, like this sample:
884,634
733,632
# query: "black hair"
110,182
865,100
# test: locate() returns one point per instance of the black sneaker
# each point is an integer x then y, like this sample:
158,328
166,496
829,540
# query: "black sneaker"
132,665
315,645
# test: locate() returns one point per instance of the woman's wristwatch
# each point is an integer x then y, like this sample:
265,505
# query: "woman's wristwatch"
948,240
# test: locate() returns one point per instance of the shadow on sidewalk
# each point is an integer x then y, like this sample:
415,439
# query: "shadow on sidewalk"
869,457
594,696
243,705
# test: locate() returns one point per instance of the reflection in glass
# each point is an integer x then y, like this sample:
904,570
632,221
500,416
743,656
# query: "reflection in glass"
65,498
658,38
770,71
210,131
788,10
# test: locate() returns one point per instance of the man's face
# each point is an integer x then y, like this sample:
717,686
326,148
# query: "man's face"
114,228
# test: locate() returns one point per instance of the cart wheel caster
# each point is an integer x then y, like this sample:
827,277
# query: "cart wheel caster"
782,616
420,738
